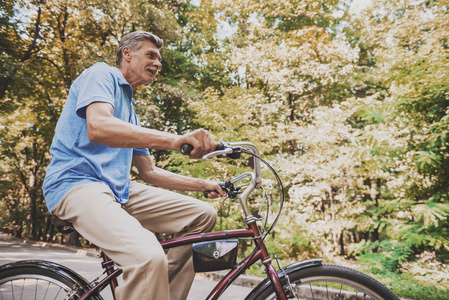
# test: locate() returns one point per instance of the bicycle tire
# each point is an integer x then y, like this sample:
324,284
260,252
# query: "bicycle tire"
40,280
329,282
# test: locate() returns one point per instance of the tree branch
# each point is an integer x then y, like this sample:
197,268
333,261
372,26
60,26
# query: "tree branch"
37,29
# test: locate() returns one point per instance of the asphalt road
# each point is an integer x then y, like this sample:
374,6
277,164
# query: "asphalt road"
88,266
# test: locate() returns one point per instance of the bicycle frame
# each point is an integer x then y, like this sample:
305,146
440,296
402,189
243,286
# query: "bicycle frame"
252,232
261,252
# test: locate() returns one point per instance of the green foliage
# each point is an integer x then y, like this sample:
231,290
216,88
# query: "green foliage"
409,288
385,255
350,105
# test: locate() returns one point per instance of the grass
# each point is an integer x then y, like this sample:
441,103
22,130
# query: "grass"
405,286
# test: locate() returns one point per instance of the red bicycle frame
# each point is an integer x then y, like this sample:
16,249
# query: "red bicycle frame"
261,253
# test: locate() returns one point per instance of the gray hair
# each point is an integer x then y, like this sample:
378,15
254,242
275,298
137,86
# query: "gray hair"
134,42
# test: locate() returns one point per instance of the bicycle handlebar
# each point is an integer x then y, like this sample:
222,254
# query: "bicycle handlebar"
234,150
186,149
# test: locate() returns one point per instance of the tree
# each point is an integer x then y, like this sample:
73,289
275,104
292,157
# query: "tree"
45,46
287,60
406,46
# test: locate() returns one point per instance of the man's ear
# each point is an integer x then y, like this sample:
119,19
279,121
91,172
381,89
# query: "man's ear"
127,53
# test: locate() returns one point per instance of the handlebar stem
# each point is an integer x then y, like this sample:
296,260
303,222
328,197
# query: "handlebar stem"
253,149
243,197
256,180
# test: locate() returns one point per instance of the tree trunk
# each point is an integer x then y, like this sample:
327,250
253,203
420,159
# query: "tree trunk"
293,118
46,230
342,244
33,200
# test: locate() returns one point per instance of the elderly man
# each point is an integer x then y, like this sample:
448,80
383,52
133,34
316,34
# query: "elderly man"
87,182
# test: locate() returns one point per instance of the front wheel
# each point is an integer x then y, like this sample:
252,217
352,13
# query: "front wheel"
329,282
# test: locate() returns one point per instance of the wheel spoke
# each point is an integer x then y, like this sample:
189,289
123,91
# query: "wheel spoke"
56,297
311,292
12,289
23,288
46,291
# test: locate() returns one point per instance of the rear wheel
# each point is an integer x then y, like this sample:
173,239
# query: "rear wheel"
27,281
329,282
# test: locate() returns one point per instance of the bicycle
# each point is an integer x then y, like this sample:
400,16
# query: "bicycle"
310,279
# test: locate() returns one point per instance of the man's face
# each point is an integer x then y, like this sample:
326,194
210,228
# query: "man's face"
145,63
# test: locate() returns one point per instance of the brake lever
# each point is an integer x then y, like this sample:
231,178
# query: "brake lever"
218,153
232,152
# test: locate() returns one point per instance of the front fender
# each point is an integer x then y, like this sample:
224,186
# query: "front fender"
281,274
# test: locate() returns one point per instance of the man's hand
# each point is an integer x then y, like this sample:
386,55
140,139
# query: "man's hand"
215,189
201,140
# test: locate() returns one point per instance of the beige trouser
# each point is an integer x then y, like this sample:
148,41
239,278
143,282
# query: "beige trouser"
126,235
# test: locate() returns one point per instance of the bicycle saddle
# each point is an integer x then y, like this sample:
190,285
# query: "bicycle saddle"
62,225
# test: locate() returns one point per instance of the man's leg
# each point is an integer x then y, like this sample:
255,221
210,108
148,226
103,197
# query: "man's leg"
99,218
168,212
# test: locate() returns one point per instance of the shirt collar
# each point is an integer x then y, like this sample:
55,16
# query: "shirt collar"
122,81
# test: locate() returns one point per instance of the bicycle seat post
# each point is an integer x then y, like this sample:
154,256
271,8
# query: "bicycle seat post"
108,265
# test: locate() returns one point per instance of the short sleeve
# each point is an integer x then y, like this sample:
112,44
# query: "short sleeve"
141,151
95,85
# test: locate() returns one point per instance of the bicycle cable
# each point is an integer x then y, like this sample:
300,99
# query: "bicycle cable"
281,188
265,196
281,204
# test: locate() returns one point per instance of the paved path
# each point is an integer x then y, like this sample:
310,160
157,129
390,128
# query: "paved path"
88,266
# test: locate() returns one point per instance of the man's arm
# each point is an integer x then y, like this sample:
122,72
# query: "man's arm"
168,180
104,128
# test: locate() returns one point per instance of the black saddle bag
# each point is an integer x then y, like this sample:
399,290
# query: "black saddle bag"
215,255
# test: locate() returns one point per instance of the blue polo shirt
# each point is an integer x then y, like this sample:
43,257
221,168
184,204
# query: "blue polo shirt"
76,160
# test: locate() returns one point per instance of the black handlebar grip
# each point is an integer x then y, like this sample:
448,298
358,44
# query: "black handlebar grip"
186,149
223,187
219,146
206,194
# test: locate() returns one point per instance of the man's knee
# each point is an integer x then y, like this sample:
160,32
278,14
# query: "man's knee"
209,217
158,259
153,259
145,253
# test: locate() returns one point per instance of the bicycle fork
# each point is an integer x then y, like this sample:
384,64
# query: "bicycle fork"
266,261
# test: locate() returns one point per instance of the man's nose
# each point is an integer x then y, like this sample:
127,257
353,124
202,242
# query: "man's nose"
158,64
